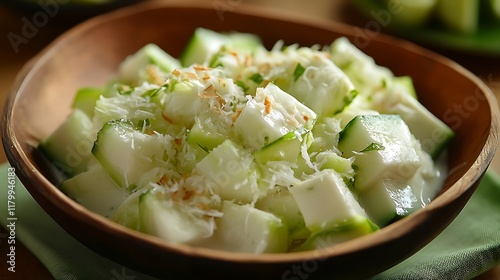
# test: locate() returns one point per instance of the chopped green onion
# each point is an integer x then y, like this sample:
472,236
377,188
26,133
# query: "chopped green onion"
172,84
123,89
257,78
299,70
152,92
373,147
143,124
242,85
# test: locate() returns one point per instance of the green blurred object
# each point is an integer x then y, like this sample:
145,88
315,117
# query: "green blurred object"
459,15
485,41
495,6
412,12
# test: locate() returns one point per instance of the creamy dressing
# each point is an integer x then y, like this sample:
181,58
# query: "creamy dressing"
429,187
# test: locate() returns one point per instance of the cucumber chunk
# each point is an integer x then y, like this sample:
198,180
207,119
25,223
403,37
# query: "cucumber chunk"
165,218
286,148
282,204
126,153
269,116
70,144
382,147
406,84
433,134
325,201
230,171
85,100
133,69
127,213
389,200
361,69
206,134
331,160
95,190
341,232
245,229
201,92
205,43
183,104
323,87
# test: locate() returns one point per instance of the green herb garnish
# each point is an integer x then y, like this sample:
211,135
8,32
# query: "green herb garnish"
299,70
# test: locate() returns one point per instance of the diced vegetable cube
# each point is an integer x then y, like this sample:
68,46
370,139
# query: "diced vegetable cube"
166,219
382,147
70,144
95,190
126,153
230,171
325,201
269,116
245,229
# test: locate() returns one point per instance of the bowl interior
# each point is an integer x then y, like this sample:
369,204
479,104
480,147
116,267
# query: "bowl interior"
89,55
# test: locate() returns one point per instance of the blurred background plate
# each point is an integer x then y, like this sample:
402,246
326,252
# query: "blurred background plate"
486,41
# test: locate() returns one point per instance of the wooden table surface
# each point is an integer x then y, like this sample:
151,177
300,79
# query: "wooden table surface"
14,56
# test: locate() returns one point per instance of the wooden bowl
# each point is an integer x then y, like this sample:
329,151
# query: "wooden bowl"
89,55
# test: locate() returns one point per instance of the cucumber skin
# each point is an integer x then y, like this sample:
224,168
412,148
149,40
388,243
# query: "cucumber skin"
385,152
133,69
132,158
231,173
68,147
205,42
267,233
95,190
325,201
85,100
283,205
152,213
336,234
285,148
205,137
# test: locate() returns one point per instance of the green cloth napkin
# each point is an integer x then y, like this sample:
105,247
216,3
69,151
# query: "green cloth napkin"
465,249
